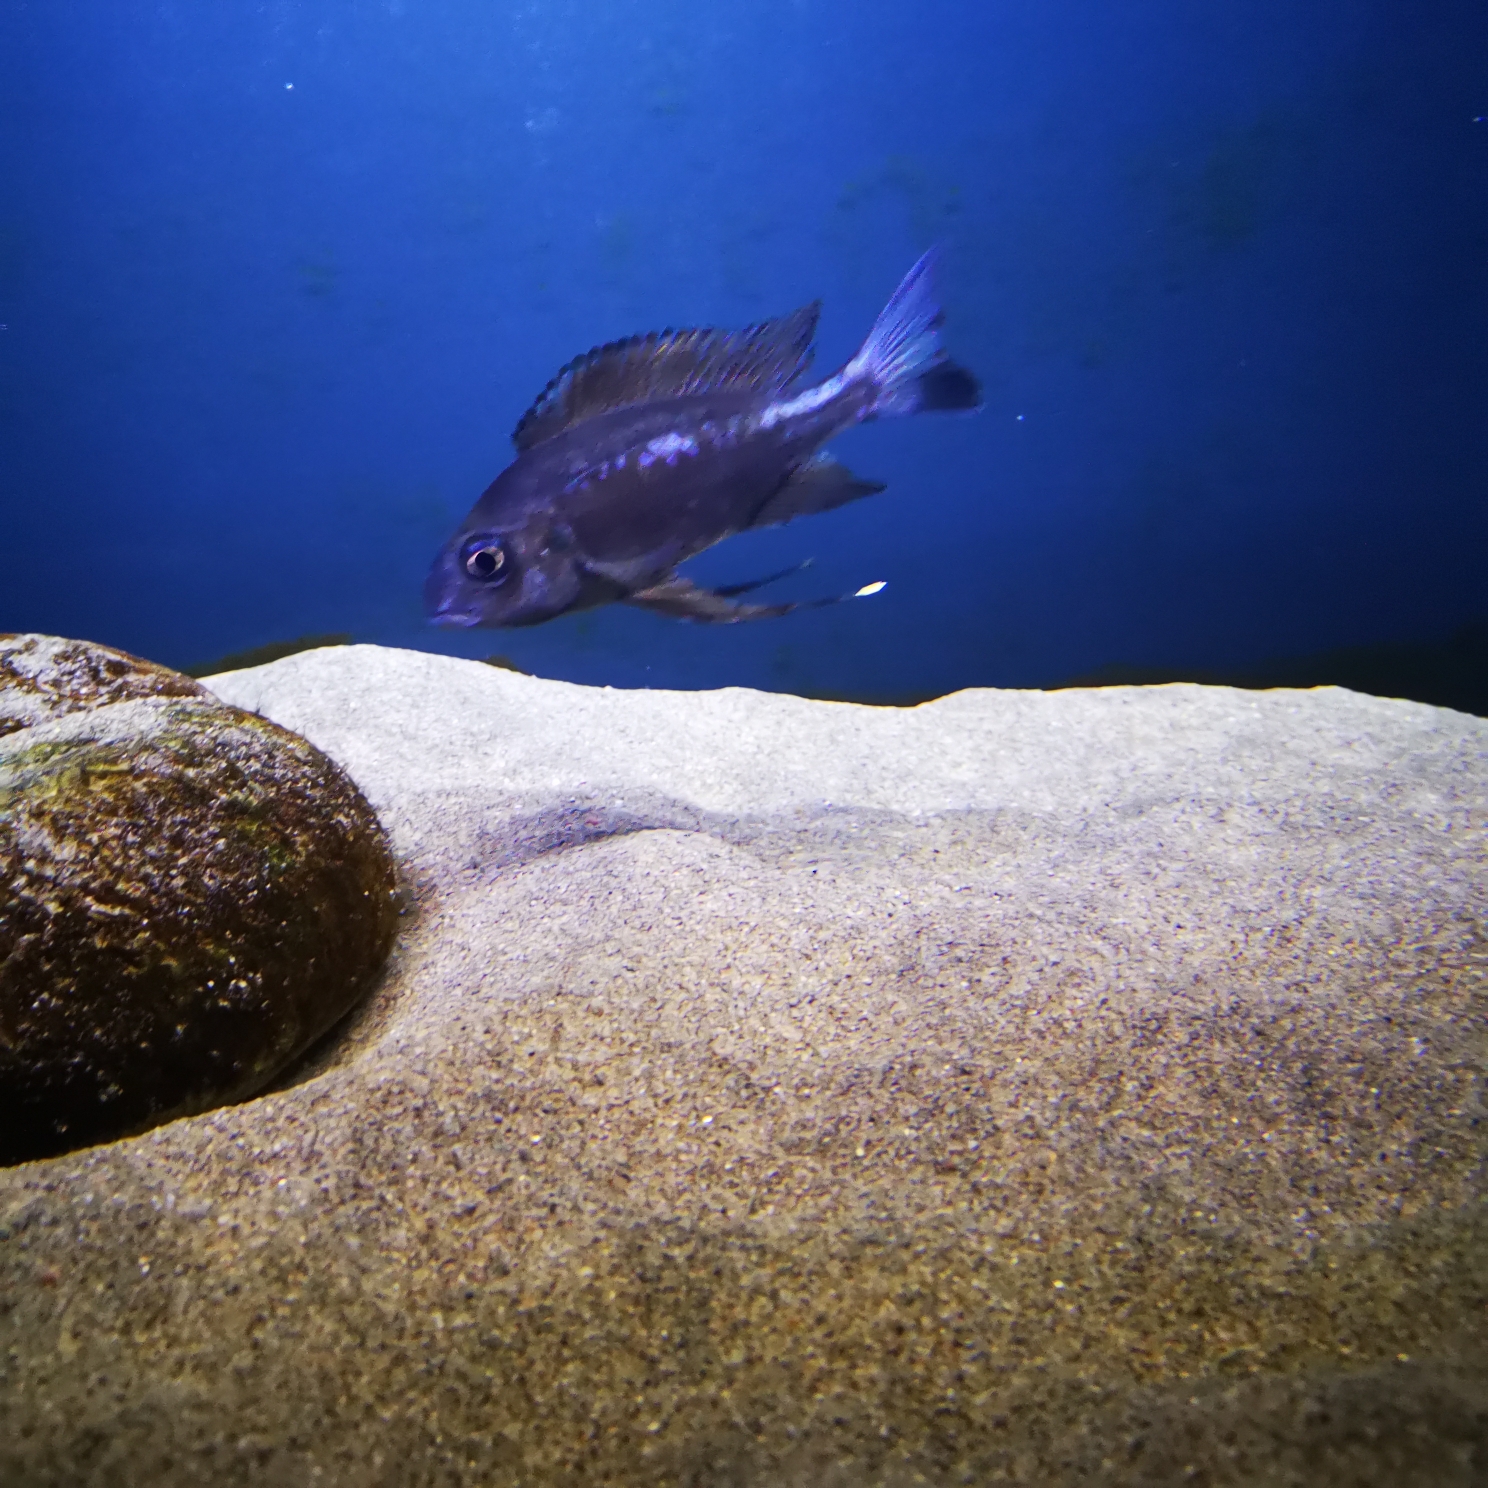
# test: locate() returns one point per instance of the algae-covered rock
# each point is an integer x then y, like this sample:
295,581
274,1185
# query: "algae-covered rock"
191,896
42,677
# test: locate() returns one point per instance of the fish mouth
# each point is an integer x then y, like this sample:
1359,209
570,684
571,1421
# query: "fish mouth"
453,619
444,603
452,616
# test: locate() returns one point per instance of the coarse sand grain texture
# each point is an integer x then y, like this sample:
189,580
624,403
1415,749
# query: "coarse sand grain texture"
1043,1088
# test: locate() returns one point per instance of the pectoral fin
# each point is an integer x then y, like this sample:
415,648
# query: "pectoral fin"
817,486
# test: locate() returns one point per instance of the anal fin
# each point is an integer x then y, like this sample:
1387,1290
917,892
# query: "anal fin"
817,486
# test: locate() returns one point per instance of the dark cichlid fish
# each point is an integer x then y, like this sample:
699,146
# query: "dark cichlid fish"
644,452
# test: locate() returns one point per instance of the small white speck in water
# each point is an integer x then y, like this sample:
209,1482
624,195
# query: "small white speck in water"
872,588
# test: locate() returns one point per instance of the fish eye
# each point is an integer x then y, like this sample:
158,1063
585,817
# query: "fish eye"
486,559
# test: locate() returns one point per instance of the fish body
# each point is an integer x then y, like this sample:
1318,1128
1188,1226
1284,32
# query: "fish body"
645,452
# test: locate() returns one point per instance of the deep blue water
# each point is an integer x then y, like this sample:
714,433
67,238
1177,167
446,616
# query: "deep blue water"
278,279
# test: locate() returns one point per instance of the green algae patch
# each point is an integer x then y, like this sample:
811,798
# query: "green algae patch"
192,895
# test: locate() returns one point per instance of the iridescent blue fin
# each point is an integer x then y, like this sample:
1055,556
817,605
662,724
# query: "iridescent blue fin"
903,355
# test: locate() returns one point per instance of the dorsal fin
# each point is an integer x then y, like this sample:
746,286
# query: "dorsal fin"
671,364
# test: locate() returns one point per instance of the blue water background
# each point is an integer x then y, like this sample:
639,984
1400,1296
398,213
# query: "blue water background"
278,279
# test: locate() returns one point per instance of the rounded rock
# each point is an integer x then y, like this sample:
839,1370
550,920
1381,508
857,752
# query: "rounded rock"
43,677
189,896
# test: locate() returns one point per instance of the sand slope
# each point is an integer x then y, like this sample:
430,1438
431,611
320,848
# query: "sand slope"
1067,1087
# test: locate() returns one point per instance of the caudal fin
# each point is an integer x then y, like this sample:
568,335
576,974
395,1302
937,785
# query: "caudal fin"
903,357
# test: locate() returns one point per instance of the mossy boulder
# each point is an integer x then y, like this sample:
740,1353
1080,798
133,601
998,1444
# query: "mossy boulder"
44,677
190,895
